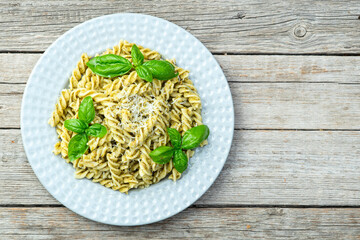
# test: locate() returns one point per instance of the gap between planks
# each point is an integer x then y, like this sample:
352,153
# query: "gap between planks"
201,206
225,53
261,129
232,81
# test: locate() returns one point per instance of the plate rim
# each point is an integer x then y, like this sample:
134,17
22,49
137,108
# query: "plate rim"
25,94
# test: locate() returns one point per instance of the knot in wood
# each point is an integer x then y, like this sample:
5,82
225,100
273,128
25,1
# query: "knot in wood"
300,31
240,15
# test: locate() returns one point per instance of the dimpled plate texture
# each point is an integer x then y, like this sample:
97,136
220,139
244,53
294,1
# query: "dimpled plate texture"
50,76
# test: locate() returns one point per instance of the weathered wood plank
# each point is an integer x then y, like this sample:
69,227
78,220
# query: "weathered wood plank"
193,223
16,68
257,105
280,68
10,105
268,91
223,26
264,167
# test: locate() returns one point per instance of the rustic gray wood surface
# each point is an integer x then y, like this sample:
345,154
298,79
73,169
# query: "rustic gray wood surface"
294,72
193,223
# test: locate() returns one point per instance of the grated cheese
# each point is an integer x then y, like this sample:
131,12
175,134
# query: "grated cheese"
140,109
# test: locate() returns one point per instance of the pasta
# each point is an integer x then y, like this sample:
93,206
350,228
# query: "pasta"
136,114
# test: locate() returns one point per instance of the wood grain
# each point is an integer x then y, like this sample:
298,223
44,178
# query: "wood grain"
193,223
263,168
283,99
288,27
308,92
257,106
290,69
16,68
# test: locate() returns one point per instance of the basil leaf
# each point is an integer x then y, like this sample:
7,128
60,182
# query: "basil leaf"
87,110
96,130
194,136
76,125
109,65
162,154
137,56
144,73
77,146
180,161
175,137
161,70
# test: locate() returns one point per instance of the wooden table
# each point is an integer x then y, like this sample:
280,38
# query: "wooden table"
294,72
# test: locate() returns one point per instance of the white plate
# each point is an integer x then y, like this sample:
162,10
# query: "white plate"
50,76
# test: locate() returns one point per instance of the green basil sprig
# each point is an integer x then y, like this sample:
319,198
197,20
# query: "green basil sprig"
78,143
144,73
111,65
191,139
161,70
76,125
77,146
194,136
137,56
96,130
162,154
180,161
175,137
